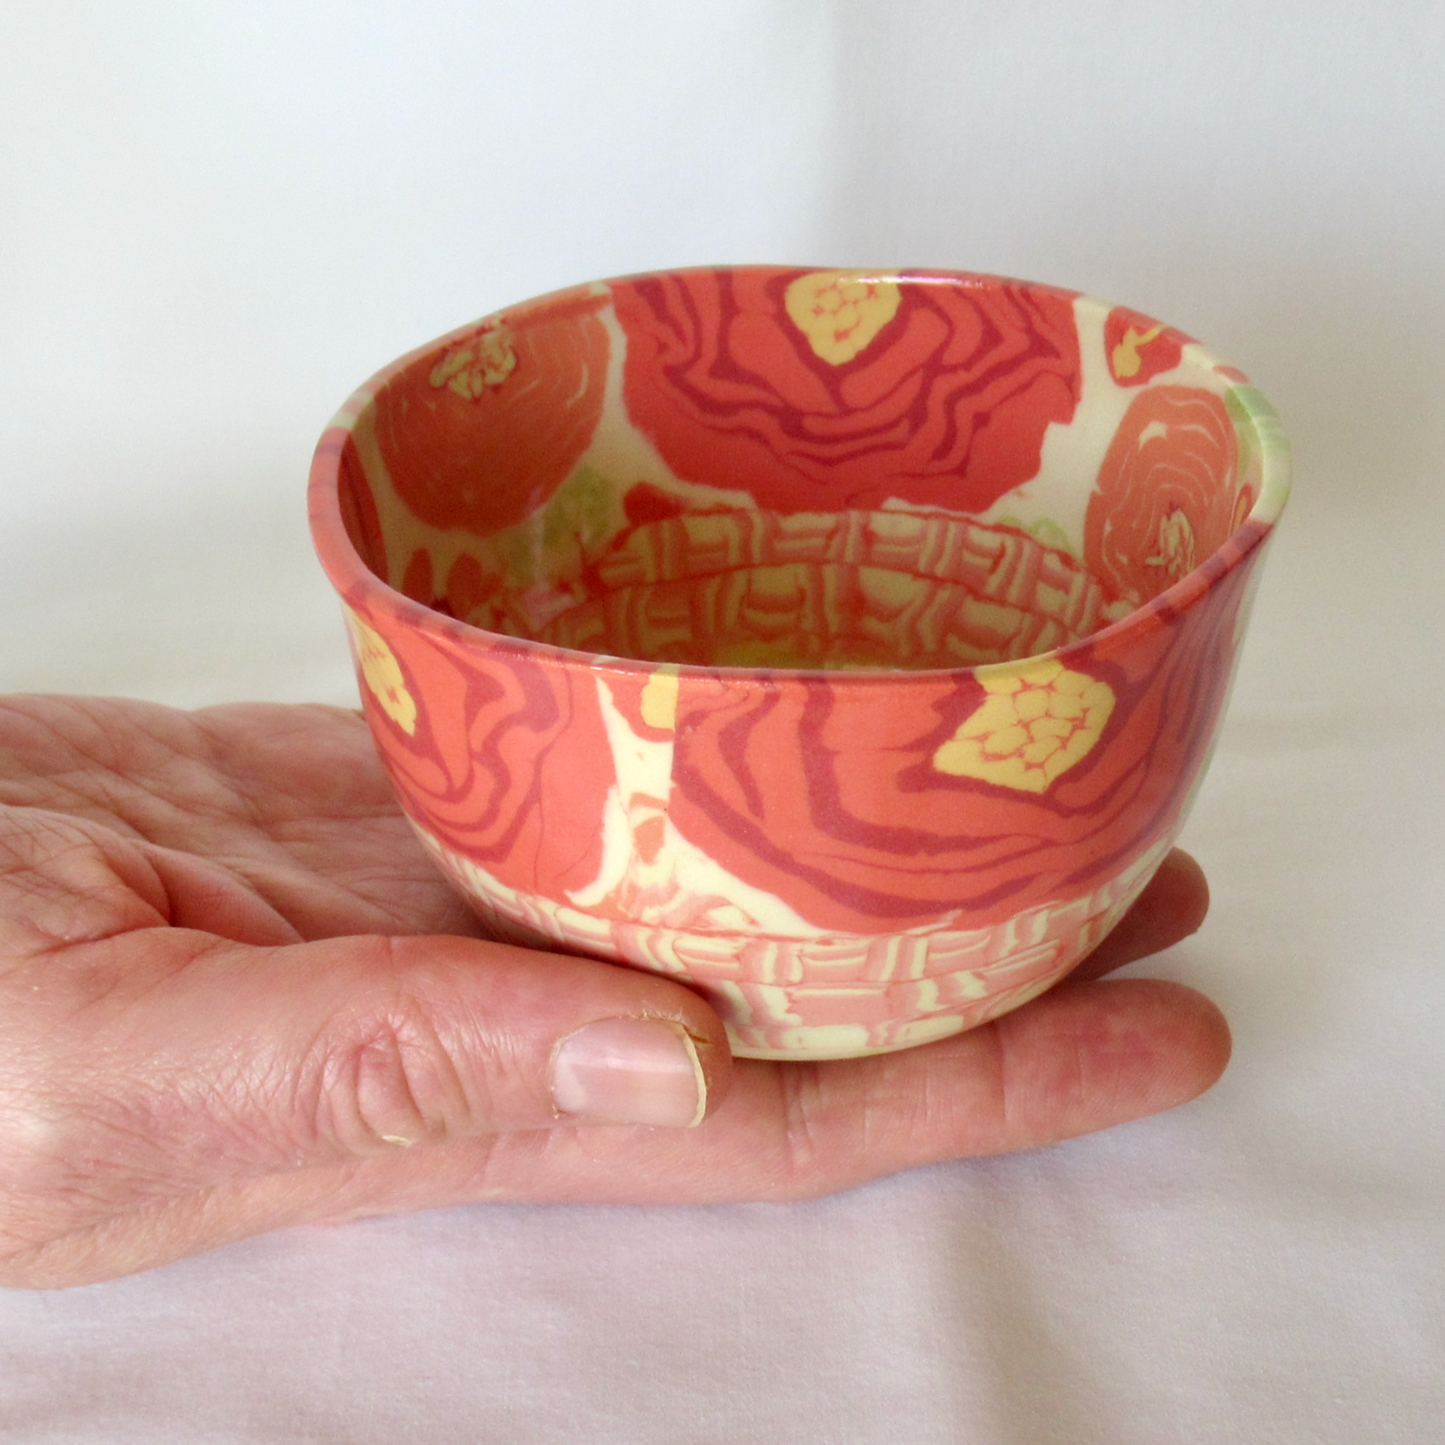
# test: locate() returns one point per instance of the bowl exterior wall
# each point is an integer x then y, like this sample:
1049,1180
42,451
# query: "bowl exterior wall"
845,863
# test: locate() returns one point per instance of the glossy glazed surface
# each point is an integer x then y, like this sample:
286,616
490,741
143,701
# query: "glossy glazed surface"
849,644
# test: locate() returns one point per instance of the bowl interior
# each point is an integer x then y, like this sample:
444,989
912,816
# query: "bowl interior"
781,468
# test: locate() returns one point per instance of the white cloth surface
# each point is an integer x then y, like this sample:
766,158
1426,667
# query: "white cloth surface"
1266,1264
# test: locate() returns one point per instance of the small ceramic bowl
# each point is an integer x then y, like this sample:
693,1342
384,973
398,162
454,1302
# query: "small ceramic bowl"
846,644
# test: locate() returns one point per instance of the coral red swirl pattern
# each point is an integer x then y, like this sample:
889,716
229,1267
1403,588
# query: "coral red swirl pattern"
795,789
481,437
945,404
1165,497
507,763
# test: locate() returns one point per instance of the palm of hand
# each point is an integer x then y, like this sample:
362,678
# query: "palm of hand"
288,803
233,987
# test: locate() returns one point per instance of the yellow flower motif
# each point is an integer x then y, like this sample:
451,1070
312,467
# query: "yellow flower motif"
1035,724
382,674
485,360
840,312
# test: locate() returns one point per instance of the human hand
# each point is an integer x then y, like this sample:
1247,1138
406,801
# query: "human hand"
235,995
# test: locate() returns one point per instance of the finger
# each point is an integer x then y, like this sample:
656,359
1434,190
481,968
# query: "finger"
1082,1058
1170,908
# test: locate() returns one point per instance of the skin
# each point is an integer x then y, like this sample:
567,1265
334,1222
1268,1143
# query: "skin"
235,996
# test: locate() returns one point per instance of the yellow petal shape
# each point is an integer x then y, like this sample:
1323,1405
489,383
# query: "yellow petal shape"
382,674
1034,725
659,699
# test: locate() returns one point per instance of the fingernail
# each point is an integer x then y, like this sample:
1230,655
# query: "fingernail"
630,1071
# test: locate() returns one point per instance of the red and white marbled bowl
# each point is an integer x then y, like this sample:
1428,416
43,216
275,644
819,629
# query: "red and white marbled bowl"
846,644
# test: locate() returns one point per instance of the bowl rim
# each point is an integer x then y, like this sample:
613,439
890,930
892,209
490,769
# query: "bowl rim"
360,588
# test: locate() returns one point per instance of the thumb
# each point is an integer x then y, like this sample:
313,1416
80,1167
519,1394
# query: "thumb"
184,1060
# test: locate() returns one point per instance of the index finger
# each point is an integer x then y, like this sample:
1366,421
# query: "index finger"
1170,908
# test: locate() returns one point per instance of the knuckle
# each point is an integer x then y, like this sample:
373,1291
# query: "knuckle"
50,1178
391,1079
73,1152
32,1150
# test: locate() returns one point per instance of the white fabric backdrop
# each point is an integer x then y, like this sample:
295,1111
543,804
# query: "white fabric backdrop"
215,220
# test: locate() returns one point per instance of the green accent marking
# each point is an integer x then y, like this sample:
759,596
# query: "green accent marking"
586,508
1042,529
1259,429
573,526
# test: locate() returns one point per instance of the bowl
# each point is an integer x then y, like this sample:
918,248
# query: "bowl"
846,644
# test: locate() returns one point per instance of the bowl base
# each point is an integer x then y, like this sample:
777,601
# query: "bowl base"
833,996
